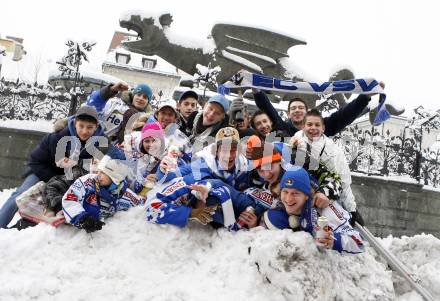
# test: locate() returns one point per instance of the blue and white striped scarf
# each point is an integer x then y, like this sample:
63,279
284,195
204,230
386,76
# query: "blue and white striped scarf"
245,79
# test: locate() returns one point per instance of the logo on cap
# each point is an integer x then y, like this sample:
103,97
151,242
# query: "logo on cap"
289,182
228,132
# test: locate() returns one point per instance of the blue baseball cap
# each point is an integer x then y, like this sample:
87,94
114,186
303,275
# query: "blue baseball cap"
221,100
297,178
144,89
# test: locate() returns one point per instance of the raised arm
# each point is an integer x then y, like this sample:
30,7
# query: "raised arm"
343,117
264,104
99,98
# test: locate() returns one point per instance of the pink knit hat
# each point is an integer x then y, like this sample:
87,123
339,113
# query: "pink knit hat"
152,129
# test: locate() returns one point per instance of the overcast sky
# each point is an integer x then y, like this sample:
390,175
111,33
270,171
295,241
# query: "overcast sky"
393,41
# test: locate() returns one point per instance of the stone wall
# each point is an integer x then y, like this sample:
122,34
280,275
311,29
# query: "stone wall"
388,207
15,146
397,208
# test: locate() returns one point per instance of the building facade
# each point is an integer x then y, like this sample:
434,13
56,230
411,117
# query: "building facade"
136,68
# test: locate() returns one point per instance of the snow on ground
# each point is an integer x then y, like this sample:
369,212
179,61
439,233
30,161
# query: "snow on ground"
421,253
131,259
41,125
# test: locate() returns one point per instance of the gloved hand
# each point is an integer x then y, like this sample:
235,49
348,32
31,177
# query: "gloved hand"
90,224
356,217
237,105
203,215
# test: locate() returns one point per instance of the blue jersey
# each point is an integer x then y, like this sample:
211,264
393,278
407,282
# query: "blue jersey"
85,197
207,167
173,204
347,239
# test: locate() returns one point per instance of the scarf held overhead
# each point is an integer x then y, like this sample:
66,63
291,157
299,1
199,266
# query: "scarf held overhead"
245,79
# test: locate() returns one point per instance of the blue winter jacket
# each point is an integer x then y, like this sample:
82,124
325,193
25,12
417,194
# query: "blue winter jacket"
200,170
173,204
42,158
346,239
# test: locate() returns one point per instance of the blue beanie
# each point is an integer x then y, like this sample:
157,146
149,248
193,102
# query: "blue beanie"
221,100
115,153
297,178
144,89
276,219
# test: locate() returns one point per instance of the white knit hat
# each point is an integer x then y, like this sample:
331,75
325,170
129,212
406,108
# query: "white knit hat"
114,168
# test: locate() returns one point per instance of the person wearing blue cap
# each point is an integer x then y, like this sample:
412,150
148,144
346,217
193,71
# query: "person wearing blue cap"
205,125
299,213
114,112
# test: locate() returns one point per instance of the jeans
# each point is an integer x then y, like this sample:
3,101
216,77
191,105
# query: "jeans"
10,206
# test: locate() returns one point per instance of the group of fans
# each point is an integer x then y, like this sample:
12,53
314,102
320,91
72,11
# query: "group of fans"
218,165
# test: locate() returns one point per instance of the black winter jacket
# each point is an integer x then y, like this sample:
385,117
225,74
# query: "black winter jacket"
334,123
57,186
42,158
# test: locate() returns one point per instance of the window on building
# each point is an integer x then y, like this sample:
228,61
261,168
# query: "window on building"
148,63
122,58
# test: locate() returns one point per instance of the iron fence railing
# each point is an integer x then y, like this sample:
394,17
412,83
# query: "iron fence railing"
22,101
373,153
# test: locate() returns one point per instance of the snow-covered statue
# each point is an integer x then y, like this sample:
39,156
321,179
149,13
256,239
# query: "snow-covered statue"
231,47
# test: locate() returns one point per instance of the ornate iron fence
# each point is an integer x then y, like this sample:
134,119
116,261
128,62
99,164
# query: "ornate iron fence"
372,153
22,101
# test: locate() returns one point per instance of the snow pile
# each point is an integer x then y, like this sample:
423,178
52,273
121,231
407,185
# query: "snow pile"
294,71
131,259
421,254
292,264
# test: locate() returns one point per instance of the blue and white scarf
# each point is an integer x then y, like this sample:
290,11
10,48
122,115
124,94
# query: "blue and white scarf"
245,79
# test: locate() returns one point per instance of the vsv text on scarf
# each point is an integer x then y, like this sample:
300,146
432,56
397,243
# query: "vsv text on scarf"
245,79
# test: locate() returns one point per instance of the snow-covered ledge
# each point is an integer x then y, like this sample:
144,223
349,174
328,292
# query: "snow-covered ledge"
397,206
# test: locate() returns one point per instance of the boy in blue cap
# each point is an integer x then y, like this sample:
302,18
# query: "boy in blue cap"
298,213
204,125
114,112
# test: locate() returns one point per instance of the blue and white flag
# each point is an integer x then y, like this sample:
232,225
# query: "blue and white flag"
223,90
245,79
382,114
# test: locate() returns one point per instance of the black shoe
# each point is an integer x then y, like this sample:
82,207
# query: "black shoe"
23,224
356,217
